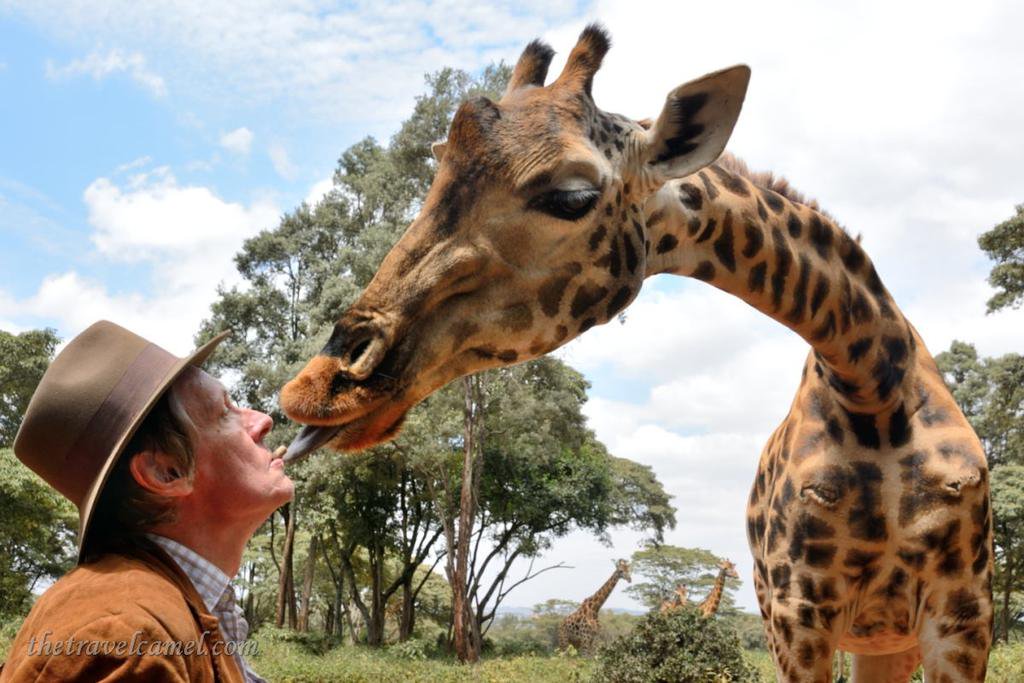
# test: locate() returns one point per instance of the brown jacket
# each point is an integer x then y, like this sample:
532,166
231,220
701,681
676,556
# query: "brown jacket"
135,599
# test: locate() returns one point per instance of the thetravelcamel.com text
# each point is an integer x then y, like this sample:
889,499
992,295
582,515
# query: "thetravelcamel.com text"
137,646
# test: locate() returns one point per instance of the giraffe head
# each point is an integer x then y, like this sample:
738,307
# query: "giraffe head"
623,568
729,569
532,232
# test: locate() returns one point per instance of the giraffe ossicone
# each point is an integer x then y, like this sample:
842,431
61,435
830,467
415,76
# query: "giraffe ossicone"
869,517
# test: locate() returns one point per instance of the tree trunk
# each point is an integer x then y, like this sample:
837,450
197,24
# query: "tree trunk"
407,620
285,586
465,635
307,584
375,624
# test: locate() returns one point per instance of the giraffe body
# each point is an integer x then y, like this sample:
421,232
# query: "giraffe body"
869,517
679,599
580,629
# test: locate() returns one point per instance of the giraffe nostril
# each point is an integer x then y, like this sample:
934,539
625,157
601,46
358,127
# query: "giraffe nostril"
357,351
340,382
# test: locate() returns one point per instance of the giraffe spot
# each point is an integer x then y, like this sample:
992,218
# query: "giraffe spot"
773,200
690,196
709,187
865,518
551,294
835,431
860,309
693,225
820,554
899,427
826,330
619,301
597,236
821,235
709,229
845,304
608,209
944,545
612,260
734,183
704,271
896,584
922,491
761,211
851,254
586,296
856,350
754,239
794,226
508,356
864,428
755,280
639,229
963,661
912,558
631,258
517,317
561,332
723,246
780,578
587,324
666,243
861,562
821,290
796,313
783,259
656,217
962,605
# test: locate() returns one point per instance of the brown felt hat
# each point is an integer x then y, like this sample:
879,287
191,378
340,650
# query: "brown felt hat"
86,409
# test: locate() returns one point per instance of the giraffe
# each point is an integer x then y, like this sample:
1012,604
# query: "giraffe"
709,605
678,599
868,519
580,628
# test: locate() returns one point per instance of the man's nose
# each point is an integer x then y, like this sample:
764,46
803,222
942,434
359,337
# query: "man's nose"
259,425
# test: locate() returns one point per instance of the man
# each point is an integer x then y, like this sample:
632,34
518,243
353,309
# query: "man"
171,480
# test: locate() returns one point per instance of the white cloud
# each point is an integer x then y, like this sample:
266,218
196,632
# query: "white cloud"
238,141
100,65
185,235
282,162
319,191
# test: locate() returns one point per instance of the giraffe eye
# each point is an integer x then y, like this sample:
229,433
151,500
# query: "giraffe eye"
567,205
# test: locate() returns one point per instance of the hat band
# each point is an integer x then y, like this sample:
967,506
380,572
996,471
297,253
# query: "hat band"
109,425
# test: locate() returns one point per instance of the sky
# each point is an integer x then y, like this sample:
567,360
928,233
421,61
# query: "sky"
141,143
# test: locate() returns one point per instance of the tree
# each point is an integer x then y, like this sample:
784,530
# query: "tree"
1004,244
23,360
663,567
37,534
1008,530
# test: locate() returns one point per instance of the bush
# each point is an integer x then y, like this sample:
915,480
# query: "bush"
680,645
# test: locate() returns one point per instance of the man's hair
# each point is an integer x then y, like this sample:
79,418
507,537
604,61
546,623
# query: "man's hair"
125,509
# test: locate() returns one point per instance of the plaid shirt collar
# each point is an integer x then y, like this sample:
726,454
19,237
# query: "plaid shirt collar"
209,581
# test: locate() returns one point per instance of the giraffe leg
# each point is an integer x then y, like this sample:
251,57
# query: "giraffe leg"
894,668
955,649
802,653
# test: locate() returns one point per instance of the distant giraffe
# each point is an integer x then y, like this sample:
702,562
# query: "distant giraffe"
709,605
581,627
678,599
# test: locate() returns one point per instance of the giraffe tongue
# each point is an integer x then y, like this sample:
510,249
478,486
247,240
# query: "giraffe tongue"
308,440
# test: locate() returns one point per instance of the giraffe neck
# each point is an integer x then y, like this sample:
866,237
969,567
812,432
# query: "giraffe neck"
594,602
793,264
710,604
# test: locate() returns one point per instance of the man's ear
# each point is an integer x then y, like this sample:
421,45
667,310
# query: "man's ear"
696,123
159,474
438,149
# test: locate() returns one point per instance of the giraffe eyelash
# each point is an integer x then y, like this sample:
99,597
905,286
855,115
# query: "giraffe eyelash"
566,205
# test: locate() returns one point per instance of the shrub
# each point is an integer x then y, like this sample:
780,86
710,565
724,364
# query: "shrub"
680,645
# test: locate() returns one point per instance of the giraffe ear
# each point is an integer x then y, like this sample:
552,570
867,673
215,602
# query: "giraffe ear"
696,123
438,148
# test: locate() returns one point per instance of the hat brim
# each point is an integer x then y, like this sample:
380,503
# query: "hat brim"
198,357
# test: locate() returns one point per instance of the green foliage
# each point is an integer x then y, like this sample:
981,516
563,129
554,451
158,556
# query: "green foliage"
680,646
1008,528
990,392
1004,244
23,360
37,534
658,569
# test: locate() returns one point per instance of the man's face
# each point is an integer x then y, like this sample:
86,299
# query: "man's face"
236,477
